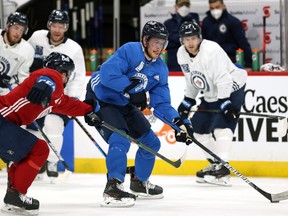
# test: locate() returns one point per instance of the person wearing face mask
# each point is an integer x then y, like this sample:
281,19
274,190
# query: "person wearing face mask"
225,29
182,8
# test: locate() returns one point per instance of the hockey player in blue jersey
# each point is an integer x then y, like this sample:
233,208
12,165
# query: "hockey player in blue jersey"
120,86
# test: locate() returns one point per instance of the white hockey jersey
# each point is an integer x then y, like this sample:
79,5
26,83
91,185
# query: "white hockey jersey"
210,72
15,61
76,83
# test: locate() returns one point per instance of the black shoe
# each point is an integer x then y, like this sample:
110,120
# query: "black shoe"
15,198
145,189
114,188
201,173
215,171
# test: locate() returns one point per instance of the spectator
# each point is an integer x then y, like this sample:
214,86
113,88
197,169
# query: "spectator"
182,8
227,31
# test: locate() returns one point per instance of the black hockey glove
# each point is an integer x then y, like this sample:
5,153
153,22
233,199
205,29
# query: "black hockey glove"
91,118
185,106
186,131
136,94
4,80
41,92
228,110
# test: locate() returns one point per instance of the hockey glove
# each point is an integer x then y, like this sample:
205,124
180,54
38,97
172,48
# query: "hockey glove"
41,92
186,131
91,118
185,106
228,110
4,80
135,93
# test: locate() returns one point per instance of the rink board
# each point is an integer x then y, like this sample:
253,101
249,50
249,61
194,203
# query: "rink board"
257,150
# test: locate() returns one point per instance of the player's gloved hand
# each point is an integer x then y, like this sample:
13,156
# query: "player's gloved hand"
4,80
135,92
227,109
91,118
186,131
41,92
185,106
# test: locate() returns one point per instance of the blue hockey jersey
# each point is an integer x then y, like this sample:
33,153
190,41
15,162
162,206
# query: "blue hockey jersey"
109,83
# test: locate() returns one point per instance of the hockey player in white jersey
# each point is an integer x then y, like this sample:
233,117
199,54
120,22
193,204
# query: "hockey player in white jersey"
208,69
45,42
16,54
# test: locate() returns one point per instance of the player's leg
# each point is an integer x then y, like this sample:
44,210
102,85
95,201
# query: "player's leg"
28,155
116,161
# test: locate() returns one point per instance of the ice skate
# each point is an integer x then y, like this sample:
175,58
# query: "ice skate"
52,171
220,175
16,203
145,189
115,196
200,174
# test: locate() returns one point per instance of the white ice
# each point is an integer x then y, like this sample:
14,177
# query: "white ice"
82,193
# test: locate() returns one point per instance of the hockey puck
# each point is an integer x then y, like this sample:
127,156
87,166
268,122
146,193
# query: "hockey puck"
274,201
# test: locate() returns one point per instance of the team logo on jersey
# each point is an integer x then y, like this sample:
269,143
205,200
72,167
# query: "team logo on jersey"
185,68
4,65
144,81
199,81
223,28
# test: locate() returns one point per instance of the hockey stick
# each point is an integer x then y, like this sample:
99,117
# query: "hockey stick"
95,143
282,120
67,171
274,198
176,163
174,126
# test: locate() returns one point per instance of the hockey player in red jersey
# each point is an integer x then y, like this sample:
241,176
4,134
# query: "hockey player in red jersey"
39,94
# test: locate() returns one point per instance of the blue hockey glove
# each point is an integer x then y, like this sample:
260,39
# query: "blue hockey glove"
185,106
228,110
136,94
41,92
186,131
4,80
91,118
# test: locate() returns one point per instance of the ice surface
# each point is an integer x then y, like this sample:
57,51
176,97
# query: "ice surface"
82,193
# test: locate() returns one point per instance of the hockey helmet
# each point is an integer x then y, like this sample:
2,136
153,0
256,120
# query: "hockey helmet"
155,29
190,29
18,18
58,16
60,62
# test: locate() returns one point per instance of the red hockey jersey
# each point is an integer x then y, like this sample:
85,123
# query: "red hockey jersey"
16,108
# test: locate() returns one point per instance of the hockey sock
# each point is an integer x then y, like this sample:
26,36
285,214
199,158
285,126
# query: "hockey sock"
224,139
116,160
208,141
144,161
22,174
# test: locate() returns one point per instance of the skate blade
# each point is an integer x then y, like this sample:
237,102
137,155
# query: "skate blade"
110,202
223,181
143,196
14,210
200,180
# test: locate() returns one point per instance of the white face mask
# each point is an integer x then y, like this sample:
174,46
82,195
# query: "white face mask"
216,13
183,11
